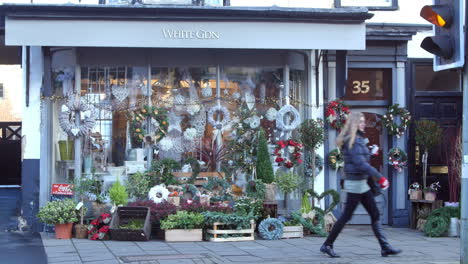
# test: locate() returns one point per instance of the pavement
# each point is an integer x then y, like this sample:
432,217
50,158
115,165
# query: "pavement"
356,244
21,248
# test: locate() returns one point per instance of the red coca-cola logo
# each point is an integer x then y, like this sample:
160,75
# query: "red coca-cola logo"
62,189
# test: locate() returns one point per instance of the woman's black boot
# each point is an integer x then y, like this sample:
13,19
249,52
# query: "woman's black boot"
390,251
328,249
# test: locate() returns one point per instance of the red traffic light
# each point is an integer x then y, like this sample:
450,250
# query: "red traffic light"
439,15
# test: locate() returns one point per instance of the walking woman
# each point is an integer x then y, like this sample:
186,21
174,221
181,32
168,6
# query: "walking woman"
357,169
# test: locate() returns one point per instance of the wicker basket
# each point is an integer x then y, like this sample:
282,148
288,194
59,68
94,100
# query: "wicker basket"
122,216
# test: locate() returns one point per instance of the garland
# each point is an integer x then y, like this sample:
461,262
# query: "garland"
282,113
294,148
334,194
337,113
392,127
256,189
316,229
156,113
271,229
225,113
436,226
335,159
397,158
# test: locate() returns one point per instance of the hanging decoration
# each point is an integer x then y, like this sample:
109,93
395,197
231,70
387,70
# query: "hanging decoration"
225,116
253,121
389,120
166,144
287,109
250,100
271,229
158,118
120,92
207,91
190,133
337,113
288,146
397,158
69,114
335,159
319,163
236,96
158,193
271,114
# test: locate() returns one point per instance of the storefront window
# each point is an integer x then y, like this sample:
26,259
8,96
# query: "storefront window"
444,81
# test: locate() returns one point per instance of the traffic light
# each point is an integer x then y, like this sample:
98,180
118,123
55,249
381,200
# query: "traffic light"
448,18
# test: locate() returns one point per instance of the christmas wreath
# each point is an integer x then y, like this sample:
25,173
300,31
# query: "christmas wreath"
436,226
335,159
220,110
397,158
160,119
318,165
271,229
293,147
282,113
396,112
336,114
68,116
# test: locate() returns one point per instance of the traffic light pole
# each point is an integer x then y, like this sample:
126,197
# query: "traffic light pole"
464,176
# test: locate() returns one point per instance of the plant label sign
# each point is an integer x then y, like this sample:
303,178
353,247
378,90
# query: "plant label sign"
62,189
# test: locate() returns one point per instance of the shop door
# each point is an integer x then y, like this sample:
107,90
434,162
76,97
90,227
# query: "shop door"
10,153
374,132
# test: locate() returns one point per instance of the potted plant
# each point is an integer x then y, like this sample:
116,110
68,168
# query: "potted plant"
118,194
183,226
96,196
62,214
415,191
292,229
428,134
430,193
81,188
287,182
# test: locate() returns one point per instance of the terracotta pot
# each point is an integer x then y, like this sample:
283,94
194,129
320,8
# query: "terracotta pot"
81,231
430,196
63,231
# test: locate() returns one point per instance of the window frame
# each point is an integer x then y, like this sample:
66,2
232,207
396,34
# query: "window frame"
393,6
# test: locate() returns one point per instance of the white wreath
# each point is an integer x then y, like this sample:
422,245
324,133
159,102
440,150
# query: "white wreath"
280,118
158,193
68,115
224,111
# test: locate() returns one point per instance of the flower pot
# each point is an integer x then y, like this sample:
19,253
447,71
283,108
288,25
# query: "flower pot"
81,231
416,195
63,231
454,227
430,196
270,192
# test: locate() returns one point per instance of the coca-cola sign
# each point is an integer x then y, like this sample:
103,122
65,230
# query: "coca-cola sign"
62,189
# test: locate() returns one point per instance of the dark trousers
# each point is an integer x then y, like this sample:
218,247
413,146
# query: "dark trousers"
352,201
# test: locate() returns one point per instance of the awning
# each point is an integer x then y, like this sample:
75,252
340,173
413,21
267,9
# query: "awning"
188,27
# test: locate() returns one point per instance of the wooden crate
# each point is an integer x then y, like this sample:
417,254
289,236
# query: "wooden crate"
122,216
247,234
201,179
293,232
183,235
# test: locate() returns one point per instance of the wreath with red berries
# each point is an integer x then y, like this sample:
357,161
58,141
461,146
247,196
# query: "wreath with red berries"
336,114
288,146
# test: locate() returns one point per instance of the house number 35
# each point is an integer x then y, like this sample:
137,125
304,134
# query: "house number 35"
361,87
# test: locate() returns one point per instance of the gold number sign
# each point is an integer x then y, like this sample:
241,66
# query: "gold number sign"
361,87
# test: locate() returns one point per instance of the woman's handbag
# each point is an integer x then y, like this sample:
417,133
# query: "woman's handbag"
374,186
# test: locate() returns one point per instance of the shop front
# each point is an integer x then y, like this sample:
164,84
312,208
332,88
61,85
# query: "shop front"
112,91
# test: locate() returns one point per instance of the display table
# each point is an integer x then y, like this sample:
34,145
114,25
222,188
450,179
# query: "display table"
417,205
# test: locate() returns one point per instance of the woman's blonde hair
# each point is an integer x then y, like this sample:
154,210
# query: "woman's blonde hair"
348,133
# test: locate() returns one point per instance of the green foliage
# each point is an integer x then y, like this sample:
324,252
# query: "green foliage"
247,206
195,168
161,172
96,190
292,222
333,193
312,133
183,220
263,166
256,189
438,221
81,187
133,224
287,181
58,212
233,221
139,185
306,206
316,228
428,134
118,194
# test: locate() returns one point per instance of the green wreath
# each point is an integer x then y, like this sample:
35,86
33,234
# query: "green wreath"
335,159
271,229
397,158
334,194
214,183
388,120
256,189
192,189
436,226
156,113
